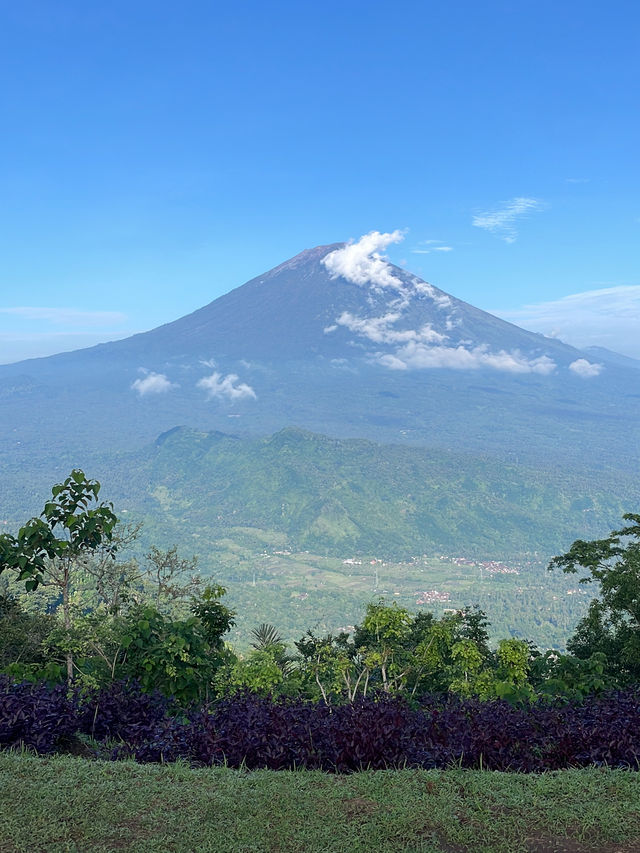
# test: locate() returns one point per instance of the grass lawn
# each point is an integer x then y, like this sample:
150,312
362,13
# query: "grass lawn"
62,803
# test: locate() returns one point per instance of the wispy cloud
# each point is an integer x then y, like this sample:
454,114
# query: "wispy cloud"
226,387
502,220
380,331
426,348
607,317
66,316
152,383
426,247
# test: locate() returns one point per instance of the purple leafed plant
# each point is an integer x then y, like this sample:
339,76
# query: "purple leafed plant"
380,732
36,716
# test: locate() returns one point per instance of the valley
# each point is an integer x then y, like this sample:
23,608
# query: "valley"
301,591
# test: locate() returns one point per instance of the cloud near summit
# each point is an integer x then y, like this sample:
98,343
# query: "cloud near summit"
409,347
361,262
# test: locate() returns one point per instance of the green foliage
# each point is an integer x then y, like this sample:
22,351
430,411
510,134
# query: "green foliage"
267,669
343,497
259,672
49,548
465,670
66,530
330,666
554,675
612,625
215,618
119,620
170,577
23,639
399,653
177,657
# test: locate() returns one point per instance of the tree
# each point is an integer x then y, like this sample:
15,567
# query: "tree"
267,639
48,548
109,582
382,640
170,580
333,665
178,657
612,625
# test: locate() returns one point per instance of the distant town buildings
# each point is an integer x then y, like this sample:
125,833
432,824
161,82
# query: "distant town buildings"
492,567
432,596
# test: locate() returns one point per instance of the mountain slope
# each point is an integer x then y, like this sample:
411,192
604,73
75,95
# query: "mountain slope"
339,341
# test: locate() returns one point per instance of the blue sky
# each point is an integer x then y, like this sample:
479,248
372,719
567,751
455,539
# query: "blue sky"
154,155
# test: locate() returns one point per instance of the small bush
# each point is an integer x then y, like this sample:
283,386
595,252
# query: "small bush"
36,716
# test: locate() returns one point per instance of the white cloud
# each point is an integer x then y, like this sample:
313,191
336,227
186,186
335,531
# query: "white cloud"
608,317
225,387
417,355
501,221
66,316
152,383
377,329
426,247
425,289
361,262
585,369
413,348
451,322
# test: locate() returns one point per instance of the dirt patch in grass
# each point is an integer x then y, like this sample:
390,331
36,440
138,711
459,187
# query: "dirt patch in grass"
135,830
358,807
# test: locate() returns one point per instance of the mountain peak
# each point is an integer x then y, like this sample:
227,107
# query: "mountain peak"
307,256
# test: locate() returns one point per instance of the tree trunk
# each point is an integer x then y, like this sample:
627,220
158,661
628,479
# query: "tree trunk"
66,614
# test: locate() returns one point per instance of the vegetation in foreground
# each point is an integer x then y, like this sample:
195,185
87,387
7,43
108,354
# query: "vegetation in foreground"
63,804
140,660
382,732
340,703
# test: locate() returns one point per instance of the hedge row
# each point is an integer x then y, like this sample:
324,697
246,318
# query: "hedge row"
381,732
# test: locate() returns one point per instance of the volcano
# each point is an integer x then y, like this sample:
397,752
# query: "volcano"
339,341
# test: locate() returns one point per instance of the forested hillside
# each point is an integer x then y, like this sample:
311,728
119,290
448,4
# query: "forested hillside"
345,497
